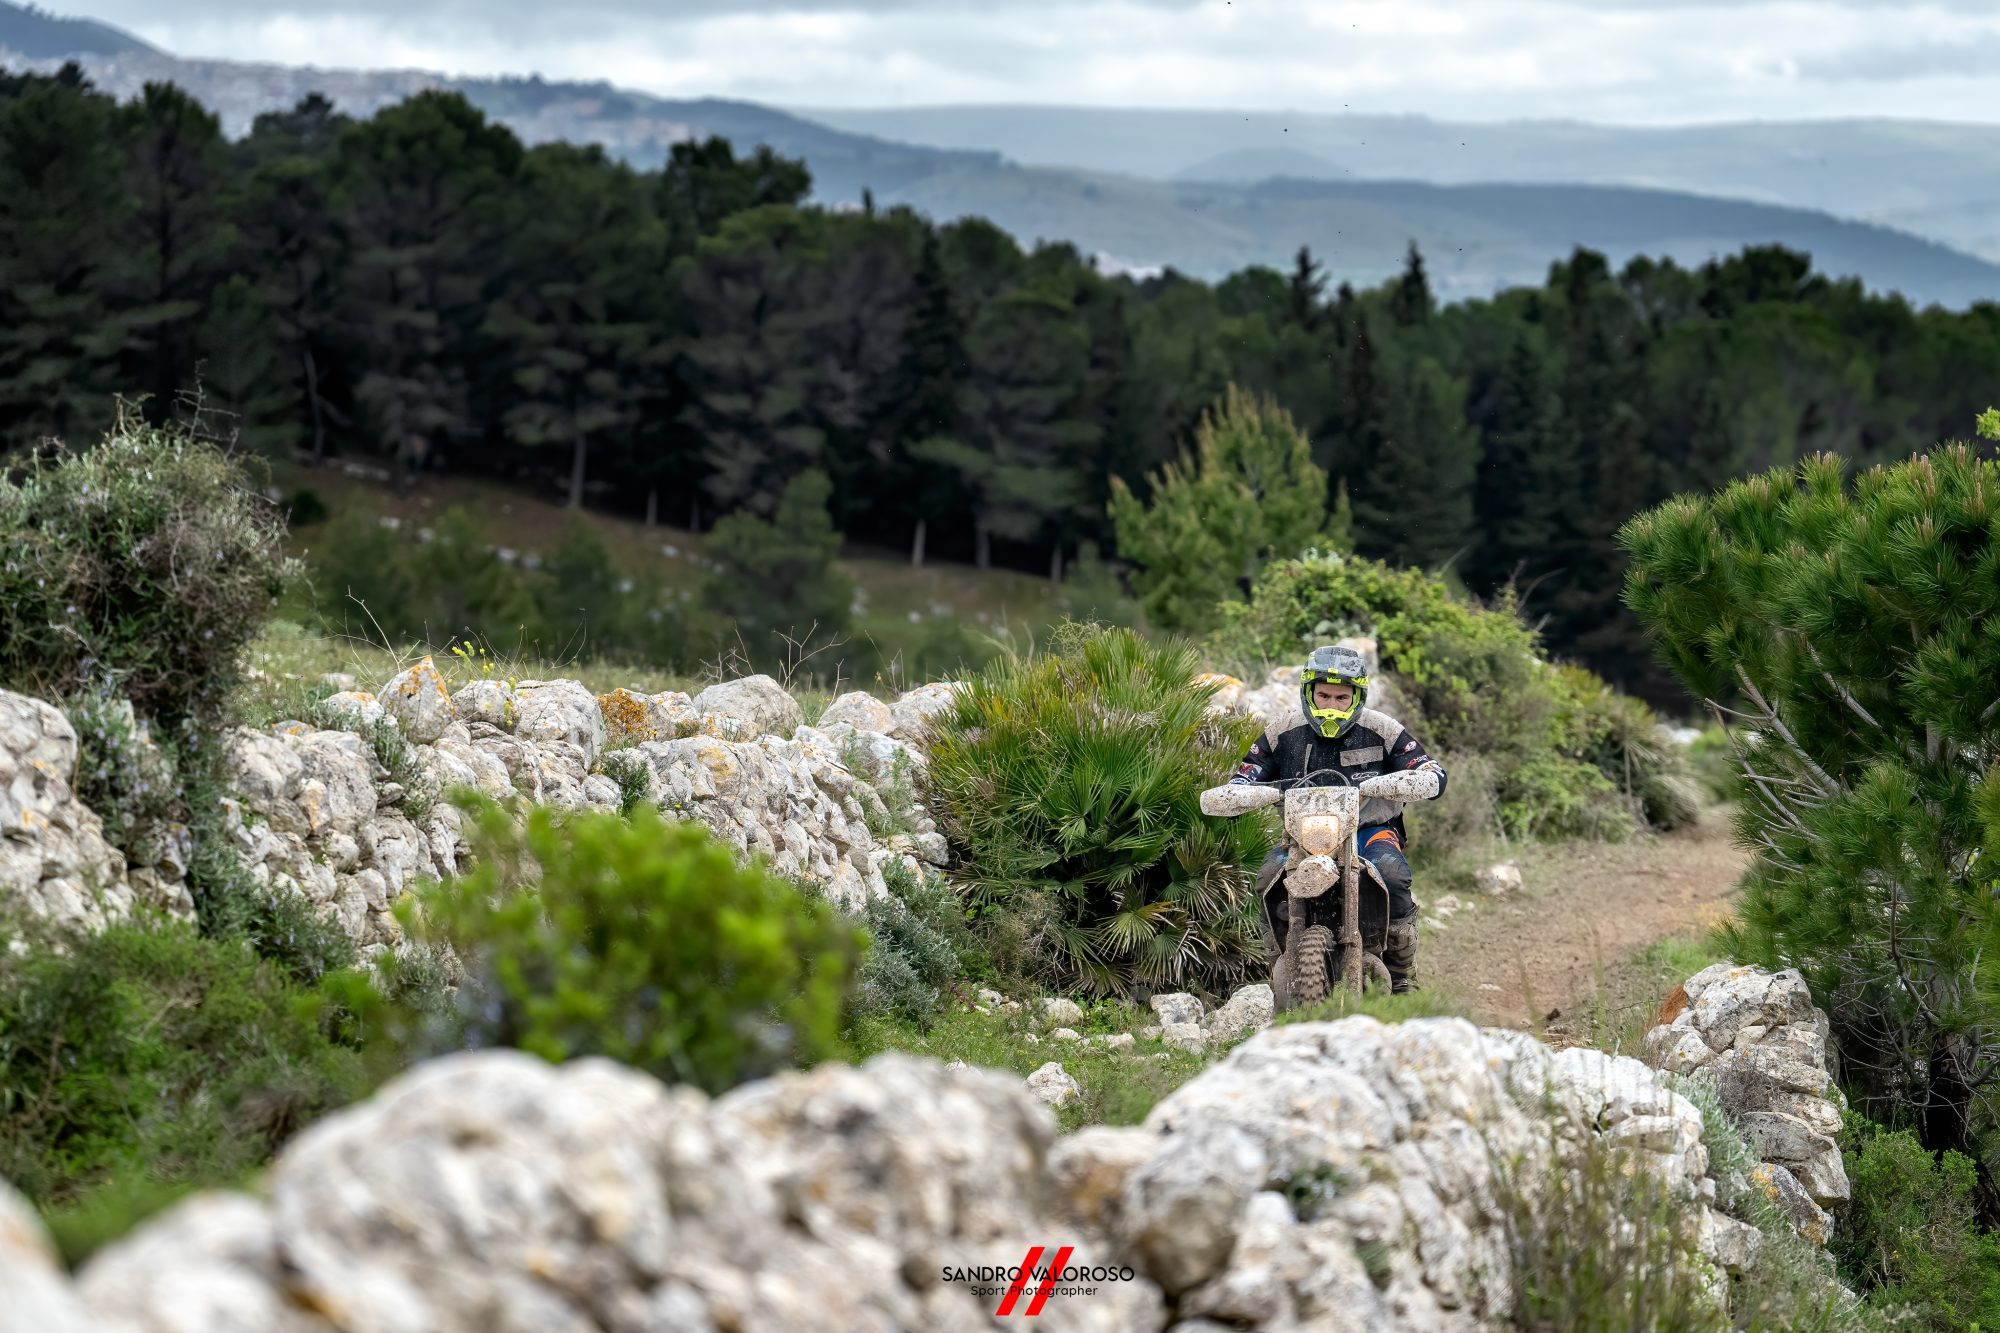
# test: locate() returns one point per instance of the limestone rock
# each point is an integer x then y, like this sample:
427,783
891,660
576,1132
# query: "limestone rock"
1228,696
1781,1187
784,799
54,861
757,701
913,709
859,710
210,1263
1090,1168
1185,1036
35,1296
1061,1009
559,710
492,1191
1177,1007
487,701
420,702
1052,1085
631,717
1250,1009
1495,880
357,709
1757,1038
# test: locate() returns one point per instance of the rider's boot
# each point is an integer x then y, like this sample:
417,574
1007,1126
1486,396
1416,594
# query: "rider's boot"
1399,954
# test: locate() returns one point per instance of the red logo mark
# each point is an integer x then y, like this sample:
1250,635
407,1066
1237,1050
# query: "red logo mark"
1042,1292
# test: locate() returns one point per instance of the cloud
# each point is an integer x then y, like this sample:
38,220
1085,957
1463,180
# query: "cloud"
1632,61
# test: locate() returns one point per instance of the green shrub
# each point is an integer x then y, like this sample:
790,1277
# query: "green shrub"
1600,1244
129,782
915,938
643,940
146,560
1910,1235
1069,782
1791,1285
150,1057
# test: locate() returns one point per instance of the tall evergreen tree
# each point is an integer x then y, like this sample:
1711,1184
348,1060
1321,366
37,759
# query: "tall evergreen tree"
1363,435
568,317
63,207
705,184
1306,292
929,377
177,237
1024,426
1523,471
426,193
291,242
1410,301
752,298
1413,505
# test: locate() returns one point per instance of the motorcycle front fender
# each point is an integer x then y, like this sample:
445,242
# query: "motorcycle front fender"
1312,877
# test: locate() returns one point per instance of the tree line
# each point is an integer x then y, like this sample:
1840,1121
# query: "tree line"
422,288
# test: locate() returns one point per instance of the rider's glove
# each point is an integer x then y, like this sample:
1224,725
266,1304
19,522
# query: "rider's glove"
1416,784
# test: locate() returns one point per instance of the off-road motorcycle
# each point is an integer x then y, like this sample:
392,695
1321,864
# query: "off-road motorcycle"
1323,945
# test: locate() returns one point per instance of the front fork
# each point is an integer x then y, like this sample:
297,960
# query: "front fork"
1350,920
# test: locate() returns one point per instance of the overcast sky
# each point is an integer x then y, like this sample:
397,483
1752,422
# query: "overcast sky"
1633,61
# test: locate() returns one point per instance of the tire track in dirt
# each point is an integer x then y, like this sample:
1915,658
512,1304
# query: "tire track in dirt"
1550,955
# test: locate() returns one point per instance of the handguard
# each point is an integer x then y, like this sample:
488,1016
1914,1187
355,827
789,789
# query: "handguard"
1238,798
1416,784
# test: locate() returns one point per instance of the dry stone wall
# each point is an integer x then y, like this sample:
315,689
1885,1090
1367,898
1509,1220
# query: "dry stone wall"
1759,1040
1325,1176
313,808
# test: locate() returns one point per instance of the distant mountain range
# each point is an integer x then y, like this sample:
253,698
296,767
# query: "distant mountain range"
1210,192
1937,179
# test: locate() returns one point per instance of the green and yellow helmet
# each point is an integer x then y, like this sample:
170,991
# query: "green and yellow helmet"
1334,666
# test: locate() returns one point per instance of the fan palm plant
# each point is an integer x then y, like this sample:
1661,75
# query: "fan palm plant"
1069,784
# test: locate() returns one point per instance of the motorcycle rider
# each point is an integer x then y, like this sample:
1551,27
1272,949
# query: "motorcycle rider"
1341,732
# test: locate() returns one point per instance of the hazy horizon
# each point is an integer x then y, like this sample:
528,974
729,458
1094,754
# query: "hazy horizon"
1630,63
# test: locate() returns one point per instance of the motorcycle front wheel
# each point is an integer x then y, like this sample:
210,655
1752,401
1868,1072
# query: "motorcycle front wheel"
1316,950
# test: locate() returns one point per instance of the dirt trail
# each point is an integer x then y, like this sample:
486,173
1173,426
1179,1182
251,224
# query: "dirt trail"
1559,954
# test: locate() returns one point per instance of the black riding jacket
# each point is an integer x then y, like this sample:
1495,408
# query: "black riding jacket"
1376,743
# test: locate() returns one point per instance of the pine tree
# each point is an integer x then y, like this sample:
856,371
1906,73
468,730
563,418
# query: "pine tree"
1414,506
927,380
176,242
1845,628
1246,494
752,301
63,207
568,318
1306,294
1026,420
705,184
1523,473
1410,300
1364,435
285,215
425,189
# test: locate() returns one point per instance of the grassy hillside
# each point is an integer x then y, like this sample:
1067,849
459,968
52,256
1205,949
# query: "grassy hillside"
898,602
